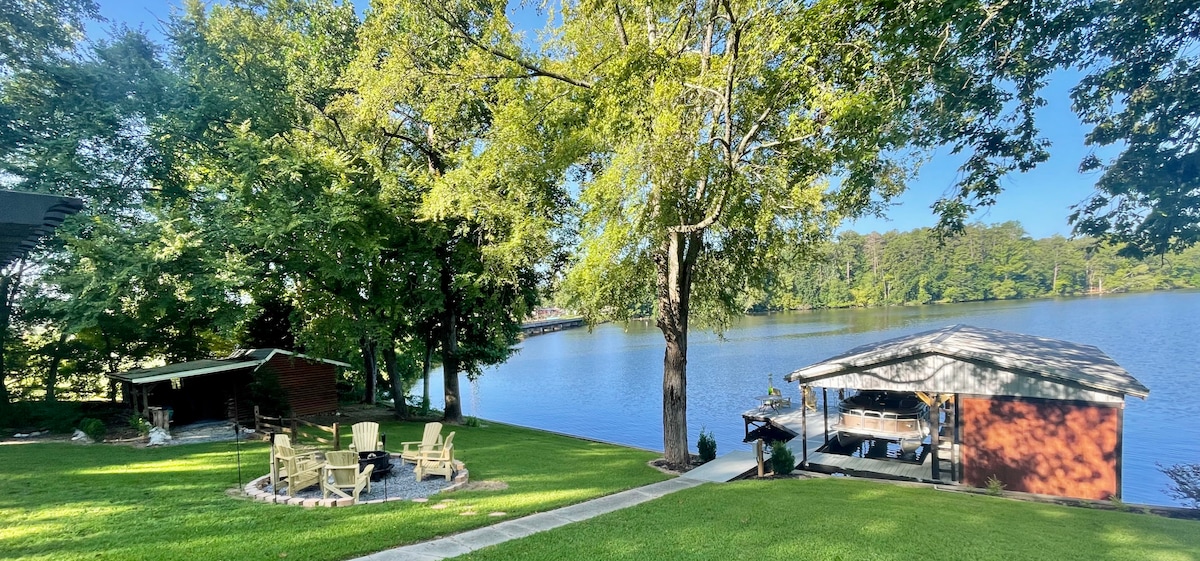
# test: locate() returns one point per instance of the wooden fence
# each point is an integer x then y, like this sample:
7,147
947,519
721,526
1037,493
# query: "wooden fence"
298,428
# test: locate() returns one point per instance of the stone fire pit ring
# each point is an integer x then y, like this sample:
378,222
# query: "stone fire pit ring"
259,490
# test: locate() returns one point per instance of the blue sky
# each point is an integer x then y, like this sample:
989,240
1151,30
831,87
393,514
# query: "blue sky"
1041,200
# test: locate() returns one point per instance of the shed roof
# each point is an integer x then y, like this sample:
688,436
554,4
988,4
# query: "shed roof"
1052,359
248,359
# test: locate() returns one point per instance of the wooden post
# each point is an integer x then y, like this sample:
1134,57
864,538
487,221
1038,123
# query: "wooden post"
825,405
935,421
804,428
257,427
337,436
295,429
758,455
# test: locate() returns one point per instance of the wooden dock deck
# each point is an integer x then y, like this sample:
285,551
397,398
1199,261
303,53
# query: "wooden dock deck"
793,420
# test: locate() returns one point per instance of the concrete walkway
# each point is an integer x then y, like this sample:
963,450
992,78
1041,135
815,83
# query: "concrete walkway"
467,542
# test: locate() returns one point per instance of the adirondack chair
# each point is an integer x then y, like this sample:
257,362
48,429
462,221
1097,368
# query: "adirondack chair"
278,465
412,449
437,462
295,471
341,473
366,437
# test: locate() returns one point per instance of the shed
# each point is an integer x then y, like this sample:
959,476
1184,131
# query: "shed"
228,387
1040,415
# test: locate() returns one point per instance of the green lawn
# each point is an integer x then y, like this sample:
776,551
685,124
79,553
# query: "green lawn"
65,501
838,519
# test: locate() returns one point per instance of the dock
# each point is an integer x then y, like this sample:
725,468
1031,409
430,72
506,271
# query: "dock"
792,421
531,328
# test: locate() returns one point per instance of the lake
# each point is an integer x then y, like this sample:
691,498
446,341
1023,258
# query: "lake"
607,384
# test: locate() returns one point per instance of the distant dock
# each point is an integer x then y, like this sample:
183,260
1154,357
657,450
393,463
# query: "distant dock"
529,329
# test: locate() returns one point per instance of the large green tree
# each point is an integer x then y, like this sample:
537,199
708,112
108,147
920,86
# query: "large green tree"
723,132
1142,95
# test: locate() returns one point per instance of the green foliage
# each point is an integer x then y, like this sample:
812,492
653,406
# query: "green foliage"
783,461
1142,61
983,262
707,446
1185,483
140,424
994,486
471,421
94,428
1118,504
58,416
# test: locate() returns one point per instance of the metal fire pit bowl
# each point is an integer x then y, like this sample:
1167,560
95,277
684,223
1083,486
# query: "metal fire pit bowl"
380,459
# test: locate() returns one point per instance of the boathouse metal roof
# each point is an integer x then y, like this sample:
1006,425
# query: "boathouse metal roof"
976,360
238,360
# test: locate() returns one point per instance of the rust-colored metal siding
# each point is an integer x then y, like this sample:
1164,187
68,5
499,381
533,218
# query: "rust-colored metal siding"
310,385
1053,447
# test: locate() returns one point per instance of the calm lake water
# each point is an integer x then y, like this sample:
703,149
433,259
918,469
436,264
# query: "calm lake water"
607,384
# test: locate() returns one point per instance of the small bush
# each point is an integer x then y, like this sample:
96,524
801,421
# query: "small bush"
994,487
1118,504
707,446
783,461
1185,483
140,424
471,421
94,428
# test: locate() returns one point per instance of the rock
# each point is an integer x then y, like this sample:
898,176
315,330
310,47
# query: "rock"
158,437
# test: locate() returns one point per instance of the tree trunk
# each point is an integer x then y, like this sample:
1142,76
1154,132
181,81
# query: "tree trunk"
425,365
674,266
450,363
370,368
51,381
399,400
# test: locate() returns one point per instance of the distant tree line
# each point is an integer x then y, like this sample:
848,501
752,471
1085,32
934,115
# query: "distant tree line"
984,262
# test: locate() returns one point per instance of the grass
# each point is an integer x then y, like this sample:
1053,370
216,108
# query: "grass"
66,501
838,519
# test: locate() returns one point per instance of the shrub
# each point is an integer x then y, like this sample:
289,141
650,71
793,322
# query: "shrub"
707,446
94,428
994,487
471,421
1118,504
1185,483
58,416
140,424
782,459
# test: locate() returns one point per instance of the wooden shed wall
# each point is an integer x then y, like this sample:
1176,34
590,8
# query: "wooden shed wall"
1063,448
310,385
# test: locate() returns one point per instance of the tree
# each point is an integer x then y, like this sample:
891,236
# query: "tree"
1141,95
471,140
723,132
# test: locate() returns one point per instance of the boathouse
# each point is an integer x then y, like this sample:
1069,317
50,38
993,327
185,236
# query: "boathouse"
228,387
1039,415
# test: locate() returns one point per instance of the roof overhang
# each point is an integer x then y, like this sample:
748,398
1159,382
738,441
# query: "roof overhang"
26,217
1049,359
246,359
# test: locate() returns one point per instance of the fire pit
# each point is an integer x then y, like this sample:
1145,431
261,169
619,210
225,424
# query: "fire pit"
378,458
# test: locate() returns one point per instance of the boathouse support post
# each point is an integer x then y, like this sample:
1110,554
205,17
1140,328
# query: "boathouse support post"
758,456
825,406
803,429
935,438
